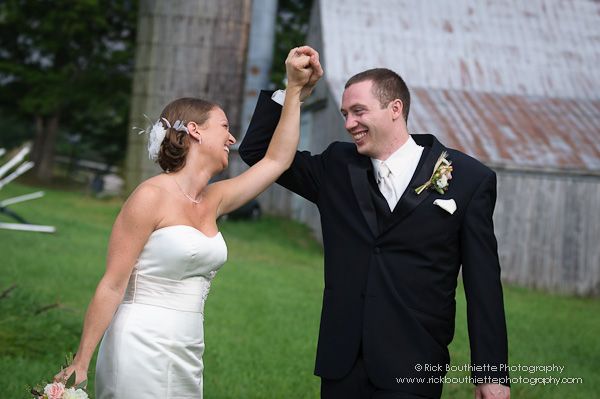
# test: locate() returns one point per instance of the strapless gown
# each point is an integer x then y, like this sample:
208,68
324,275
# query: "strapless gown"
154,345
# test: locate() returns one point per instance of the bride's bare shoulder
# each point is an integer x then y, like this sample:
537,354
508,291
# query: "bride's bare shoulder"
146,206
150,193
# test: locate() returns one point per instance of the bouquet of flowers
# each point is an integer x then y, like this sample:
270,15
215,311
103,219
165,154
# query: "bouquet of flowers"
58,390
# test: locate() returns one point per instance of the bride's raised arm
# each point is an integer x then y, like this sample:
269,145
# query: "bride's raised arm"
235,192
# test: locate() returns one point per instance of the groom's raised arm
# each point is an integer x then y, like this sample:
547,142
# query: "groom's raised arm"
267,113
304,176
262,125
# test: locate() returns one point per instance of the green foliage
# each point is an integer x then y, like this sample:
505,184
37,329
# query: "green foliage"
290,31
72,59
262,315
13,130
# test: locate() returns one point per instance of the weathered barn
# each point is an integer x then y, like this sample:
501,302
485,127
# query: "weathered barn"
515,84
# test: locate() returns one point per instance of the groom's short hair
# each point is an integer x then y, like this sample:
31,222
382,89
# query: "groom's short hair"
387,86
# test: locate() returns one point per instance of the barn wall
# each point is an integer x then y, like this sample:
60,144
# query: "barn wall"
547,229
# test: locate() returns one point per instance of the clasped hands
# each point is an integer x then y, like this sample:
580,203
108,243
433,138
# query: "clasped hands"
303,70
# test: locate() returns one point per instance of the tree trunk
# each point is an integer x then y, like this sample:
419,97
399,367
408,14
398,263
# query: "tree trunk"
46,132
38,140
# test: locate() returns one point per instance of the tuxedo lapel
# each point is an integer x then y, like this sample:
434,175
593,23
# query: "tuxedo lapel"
359,176
360,185
410,199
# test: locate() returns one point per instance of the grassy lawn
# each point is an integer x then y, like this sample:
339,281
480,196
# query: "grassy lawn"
262,315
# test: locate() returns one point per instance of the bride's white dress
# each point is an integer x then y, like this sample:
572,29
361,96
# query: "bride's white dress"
154,345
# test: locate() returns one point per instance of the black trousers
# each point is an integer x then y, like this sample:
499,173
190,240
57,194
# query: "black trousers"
357,385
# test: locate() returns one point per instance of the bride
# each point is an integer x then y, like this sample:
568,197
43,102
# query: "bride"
165,247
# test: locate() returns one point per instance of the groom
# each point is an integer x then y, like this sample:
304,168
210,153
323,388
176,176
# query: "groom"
392,256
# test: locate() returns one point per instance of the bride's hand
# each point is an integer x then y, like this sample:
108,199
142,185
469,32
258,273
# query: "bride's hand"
65,374
317,70
298,69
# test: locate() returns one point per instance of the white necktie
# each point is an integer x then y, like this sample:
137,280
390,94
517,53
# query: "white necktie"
385,185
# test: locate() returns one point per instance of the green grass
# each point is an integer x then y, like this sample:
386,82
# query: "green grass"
262,315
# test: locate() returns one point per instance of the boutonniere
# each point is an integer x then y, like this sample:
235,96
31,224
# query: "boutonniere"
442,172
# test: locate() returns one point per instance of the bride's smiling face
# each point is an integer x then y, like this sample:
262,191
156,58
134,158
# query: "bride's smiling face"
215,136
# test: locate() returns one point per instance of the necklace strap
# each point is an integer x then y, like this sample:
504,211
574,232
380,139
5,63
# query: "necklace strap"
184,193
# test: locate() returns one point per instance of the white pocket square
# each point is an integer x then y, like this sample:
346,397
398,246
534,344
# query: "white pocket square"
448,205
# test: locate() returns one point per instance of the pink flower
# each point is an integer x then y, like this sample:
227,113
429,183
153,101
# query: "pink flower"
55,390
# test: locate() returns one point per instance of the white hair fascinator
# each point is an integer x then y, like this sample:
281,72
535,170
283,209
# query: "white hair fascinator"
156,134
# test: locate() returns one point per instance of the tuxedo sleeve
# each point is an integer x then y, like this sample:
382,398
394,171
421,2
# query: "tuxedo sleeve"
305,175
483,288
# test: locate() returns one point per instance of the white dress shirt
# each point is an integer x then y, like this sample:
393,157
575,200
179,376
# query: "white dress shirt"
402,165
279,97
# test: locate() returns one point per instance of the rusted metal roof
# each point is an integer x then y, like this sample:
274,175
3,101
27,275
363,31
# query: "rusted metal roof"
512,130
511,82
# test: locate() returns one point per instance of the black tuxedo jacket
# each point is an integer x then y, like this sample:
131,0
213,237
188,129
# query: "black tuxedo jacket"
390,277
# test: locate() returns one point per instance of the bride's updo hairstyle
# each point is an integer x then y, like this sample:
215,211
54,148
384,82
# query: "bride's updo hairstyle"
175,145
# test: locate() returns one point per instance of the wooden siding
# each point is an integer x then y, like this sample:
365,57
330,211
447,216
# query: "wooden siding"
548,229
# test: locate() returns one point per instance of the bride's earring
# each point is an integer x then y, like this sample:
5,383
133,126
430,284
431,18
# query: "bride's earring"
199,139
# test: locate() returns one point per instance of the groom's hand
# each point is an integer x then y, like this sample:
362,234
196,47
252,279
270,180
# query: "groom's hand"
492,391
317,70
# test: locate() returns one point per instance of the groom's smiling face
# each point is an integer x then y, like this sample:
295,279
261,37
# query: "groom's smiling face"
371,126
